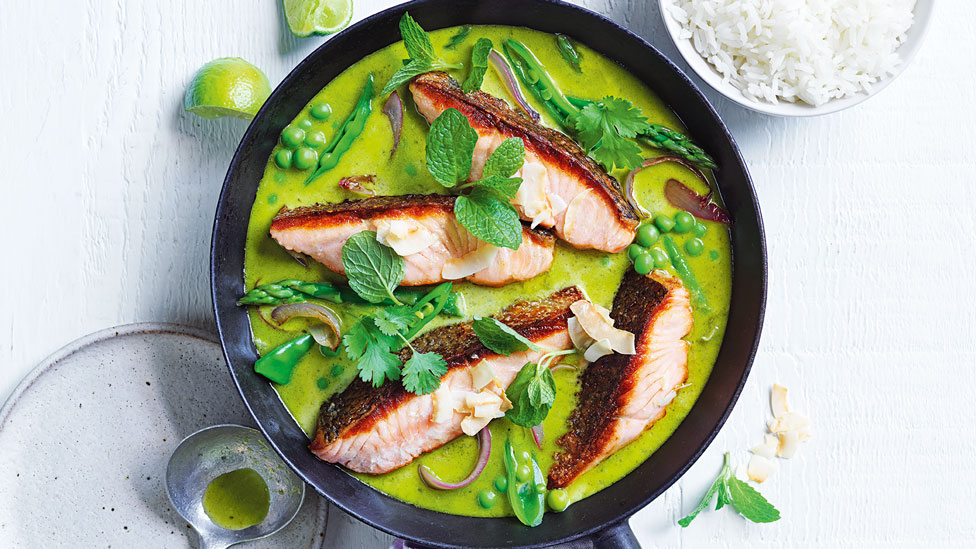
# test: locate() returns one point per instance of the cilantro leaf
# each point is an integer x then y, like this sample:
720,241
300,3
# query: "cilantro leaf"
532,393
500,338
415,39
370,349
422,372
373,270
450,148
479,65
503,188
489,219
750,503
605,129
506,159
458,37
394,320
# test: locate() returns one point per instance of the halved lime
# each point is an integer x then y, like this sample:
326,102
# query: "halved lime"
229,86
307,17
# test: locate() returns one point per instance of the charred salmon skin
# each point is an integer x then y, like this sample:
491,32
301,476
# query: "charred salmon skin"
378,429
562,187
422,229
622,395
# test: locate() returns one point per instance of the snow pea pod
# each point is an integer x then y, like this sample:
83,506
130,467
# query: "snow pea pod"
278,364
681,267
525,496
348,132
534,77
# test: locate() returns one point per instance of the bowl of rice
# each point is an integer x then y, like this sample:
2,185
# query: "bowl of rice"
797,57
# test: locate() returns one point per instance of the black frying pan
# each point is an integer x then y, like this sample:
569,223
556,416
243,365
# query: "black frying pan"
597,521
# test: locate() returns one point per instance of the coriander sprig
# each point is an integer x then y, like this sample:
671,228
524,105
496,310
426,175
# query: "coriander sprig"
736,493
421,53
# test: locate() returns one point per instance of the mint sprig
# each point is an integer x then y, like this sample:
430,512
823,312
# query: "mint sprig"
736,493
450,148
373,270
421,52
499,337
479,65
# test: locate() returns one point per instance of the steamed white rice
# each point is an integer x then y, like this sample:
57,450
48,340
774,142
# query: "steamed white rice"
797,50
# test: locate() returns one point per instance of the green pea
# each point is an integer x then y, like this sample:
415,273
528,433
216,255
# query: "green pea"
713,255
647,234
292,137
634,251
337,370
272,199
322,383
558,500
410,169
694,247
487,498
501,483
605,261
545,93
700,230
644,264
683,222
532,76
524,473
321,111
305,124
283,158
661,259
315,139
540,488
305,158
663,223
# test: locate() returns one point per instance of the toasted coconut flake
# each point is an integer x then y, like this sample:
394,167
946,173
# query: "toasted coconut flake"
572,212
790,421
760,468
600,348
531,195
481,375
470,263
789,443
777,401
445,401
765,450
598,325
405,236
580,339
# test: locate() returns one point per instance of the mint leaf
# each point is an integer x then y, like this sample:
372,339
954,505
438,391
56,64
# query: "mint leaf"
394,320
405,73
458,37
450,148
532,393
500,338
489,219
479,65
605,129
503,188
506,159
717,485
422,372
723,497
373,270
415,39
750,503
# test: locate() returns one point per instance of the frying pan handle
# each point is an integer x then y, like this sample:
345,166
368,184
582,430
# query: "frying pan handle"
615,536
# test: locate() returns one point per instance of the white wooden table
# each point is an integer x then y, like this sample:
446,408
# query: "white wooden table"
109,191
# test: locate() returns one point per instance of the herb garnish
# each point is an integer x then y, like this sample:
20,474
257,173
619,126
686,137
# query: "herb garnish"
422,372
459,37
606,130
421,53
479,65
487,211
736,493
499,337
533,392
373,270
370,349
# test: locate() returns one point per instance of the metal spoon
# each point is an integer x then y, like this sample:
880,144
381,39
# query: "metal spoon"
213,451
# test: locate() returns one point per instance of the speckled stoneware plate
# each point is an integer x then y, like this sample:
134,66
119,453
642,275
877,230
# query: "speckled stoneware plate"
85,438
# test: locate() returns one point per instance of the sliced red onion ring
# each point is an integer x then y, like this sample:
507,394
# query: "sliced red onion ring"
511,83
702,207
484,445
538,435
356,184
301,258
284,313
393,109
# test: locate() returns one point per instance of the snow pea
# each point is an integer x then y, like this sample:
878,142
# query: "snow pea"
348,132
527,499
278,364
681,267
534,77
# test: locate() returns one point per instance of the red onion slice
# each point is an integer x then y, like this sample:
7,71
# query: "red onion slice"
393,109
284,313
702,207
356,184
538,435
511,84
484,445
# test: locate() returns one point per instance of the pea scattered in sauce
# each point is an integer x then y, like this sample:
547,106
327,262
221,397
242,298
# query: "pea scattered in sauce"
315,139
683,222
237,500
292,137
487,498
337,370
558,500
322,383
647,234
305,158
305,124
694,247
501,483
321,111
283,158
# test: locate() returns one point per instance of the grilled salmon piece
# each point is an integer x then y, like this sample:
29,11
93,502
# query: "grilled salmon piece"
562,187
621,395
378,429
320,231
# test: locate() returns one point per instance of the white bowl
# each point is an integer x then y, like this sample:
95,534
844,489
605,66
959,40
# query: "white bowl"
907,50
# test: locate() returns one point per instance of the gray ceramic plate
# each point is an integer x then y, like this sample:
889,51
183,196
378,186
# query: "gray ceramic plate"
85,438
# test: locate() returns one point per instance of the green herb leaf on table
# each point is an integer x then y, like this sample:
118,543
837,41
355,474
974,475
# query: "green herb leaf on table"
489,219
606,129
373,270
532,393
458,37
500,338
736,493
450,148
421,51
422,372
506,159
479,65
394,320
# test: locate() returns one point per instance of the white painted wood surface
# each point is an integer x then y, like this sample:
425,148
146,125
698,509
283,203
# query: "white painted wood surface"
109,191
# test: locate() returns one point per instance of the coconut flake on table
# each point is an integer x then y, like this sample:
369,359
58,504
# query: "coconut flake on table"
810,51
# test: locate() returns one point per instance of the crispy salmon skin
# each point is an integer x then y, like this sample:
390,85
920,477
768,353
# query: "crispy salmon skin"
321,230
378,429
562,187
622,395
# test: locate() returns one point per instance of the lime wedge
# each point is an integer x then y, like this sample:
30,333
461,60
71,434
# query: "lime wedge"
307,17
229,86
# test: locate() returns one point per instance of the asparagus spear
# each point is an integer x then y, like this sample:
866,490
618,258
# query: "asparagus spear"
289,291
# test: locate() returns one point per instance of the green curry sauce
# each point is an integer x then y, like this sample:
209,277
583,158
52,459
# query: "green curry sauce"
598,274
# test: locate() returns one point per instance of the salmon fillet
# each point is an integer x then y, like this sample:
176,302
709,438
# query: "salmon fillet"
378,429
620,396
320,231
562,187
